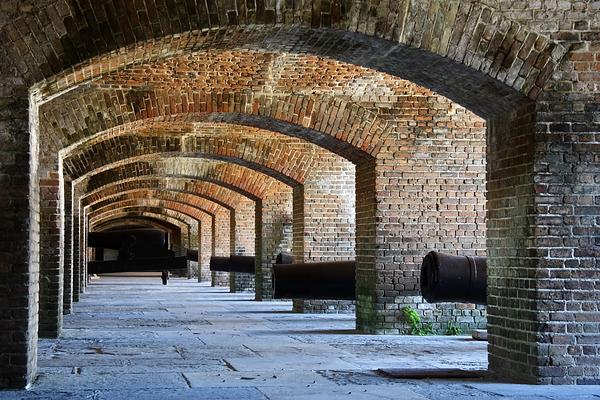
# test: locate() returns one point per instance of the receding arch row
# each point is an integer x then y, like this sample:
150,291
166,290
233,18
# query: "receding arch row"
182,189
176,228
461,48
232,176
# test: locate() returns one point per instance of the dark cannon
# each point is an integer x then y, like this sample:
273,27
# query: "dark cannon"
456,279
334,280
192,254
218,263
242,264
284,258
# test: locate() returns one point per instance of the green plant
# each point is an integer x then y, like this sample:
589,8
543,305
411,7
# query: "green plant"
414,320
453,330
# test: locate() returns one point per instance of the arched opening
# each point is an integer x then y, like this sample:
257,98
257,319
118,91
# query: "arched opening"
396,84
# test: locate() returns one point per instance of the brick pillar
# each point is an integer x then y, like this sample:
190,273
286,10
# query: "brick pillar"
51,260
273,235
243,242
543,265
68,249
194,237
324,222
205,248
221,238
84,251
19,250
425,191
76,248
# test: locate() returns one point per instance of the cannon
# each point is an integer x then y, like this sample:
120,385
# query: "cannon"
219,264
192,254
243,264
334,280
456,279
284,258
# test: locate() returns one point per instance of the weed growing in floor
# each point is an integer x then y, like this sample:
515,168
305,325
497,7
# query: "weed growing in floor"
414,320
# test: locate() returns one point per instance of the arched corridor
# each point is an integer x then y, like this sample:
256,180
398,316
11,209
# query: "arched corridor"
357,134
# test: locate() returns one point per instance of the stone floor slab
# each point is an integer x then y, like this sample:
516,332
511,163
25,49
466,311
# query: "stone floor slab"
133,338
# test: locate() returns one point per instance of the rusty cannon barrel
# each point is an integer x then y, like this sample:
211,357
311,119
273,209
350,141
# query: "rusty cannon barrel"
456,279
218,263
243,264
334,280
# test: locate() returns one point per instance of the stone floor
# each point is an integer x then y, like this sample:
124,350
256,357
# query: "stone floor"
133,338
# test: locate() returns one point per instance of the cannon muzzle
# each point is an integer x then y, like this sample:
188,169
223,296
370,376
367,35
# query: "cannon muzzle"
453,279
315,281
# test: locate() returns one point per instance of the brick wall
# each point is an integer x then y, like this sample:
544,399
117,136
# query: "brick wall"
220,245
68,248
273,236
243,242
324,221
51,257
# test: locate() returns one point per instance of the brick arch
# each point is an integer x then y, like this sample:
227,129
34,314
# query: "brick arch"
247,182
147,222
175,227
341,126
467,34
167,197
153,205
170,216
182,189
270,153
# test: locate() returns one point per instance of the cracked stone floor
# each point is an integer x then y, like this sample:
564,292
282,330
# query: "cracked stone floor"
133,338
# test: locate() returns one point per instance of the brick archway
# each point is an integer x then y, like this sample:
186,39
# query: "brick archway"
420,40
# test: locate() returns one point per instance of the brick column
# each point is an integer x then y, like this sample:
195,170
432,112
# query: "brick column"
242,243
19,250
51,260
205,249
75,247
221,247
273,235
68,248
512,258
324,222
194,237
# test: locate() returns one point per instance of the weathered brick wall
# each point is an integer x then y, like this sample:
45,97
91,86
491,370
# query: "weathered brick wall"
221,245
242,243
511,274
273,235
430,187
51,257
67,206
19,244
324,221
